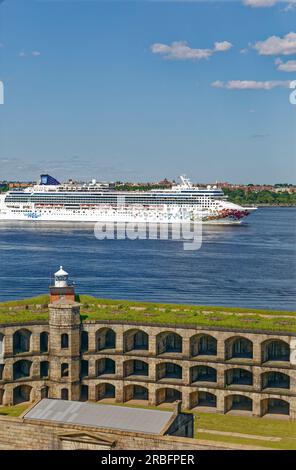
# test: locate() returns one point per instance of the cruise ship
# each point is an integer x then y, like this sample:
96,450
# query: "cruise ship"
50,200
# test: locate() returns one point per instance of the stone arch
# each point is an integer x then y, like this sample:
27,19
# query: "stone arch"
275,406
105,339
84,341
22,394
203,373
64,394
168,370
84,392
203,345
44,392
275,379
1,371
135,340
22,369
43,342
105,366
84,368
1,345
168,342
135,367
44,369
238,402
135,392
105,391
238,347
204,399
64,341
238,376
275,350
22,341
1,396
64,369
168,395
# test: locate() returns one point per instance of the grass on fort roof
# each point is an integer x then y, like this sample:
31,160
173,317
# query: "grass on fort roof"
13,411
249,426
16,311
92,309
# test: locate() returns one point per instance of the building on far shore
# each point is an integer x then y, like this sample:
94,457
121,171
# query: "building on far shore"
245,371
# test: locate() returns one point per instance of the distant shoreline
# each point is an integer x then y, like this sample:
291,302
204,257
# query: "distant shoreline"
271,205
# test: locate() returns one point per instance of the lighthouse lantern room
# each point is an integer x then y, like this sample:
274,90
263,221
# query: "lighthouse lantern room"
61,288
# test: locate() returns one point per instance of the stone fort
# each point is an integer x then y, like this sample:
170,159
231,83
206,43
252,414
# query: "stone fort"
249,372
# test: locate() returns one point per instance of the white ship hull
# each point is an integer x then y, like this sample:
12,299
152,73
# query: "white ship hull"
117,217
63,203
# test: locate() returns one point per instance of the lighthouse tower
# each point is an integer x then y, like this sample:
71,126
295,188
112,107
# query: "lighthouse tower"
64,339
61,288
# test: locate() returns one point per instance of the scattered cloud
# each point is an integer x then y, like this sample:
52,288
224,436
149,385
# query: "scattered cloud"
275,45
179,50
289,66
251,84
259,136
291,5
260,3
30,54
222,46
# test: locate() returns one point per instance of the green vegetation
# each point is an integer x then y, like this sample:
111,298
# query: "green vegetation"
13,411
15,311
238,196
241,196
284,430
93,309
145,312
3,187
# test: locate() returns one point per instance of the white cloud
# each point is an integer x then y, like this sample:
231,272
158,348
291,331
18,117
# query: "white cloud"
259,3
251,84
275,45
32,53
259,136
291,5
179,50
222,46
289,66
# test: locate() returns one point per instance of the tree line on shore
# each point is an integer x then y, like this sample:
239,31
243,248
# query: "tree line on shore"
241,196
238,195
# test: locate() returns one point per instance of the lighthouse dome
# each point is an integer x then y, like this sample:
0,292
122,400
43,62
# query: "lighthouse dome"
61,272
61,278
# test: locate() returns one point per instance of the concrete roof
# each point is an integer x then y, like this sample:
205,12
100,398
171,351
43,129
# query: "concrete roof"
100,416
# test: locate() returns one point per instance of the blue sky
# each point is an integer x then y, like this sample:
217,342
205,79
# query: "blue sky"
145,90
